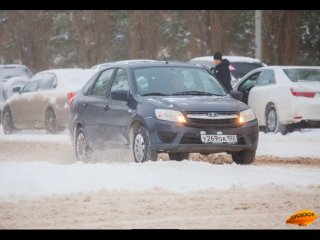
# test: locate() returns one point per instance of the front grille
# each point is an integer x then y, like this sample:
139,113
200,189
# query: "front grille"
202,120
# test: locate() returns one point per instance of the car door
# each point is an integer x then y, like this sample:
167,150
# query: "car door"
22,105
119,113
247,85
261,94
93,107
41,98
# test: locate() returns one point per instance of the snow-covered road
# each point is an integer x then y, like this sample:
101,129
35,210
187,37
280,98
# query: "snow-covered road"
41,177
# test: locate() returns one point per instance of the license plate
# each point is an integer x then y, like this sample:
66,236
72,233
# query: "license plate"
219,138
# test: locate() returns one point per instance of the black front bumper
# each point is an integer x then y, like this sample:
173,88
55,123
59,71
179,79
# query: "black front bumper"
168,136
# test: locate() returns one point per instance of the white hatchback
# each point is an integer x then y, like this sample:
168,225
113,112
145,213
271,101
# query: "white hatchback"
283,97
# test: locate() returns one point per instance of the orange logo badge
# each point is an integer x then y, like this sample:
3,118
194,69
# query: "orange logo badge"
302,218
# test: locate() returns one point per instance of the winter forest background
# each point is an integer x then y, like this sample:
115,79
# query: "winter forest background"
44,39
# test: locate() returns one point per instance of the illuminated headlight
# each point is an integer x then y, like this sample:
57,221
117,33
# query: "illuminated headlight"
170,115
246,116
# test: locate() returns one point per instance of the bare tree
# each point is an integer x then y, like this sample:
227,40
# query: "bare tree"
281,41
219,26
143,34
30,32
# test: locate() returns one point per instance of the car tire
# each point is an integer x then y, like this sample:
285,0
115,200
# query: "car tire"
50,121
244,156
81,146
179,156
272,121
141,146
7,122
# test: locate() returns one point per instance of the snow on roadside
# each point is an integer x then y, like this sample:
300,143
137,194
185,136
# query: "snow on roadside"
303,143
32,179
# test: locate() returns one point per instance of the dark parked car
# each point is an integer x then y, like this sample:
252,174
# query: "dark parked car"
155,107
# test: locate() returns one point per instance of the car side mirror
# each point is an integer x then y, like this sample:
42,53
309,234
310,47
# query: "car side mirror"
236,94
120,95
16,90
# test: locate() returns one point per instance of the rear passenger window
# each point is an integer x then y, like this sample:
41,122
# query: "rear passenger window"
266,78
101,85
47,82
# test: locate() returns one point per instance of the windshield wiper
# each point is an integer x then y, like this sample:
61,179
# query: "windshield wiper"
196,93
154,94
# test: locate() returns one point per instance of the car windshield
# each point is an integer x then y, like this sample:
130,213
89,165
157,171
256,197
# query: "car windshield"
9,72
303,75
166,80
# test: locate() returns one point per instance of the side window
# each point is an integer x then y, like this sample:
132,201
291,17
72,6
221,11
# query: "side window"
120,81
267,77
47,81
31,86
249,83
101,84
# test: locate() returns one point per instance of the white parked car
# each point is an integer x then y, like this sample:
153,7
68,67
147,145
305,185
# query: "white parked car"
283,97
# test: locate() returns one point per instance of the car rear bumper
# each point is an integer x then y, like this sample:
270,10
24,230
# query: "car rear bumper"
168,136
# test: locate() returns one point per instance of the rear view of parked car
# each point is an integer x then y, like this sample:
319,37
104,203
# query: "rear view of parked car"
43,102
283,97
154,107
12,77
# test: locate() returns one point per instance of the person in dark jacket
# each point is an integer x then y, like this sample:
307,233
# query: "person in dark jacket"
221,70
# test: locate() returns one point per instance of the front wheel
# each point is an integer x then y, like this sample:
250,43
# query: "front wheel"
7,122
141,146
244,157
179,156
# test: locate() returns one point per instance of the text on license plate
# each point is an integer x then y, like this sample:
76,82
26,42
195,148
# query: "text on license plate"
219,138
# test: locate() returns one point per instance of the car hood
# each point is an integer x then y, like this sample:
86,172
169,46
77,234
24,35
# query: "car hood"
15,78
197,103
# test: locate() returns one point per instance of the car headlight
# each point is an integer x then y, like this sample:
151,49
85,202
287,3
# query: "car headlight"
246,116
170,115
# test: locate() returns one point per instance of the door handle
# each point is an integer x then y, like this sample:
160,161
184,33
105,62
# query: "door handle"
106,107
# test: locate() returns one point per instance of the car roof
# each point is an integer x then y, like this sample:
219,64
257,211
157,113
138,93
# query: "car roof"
230,58
12,65
135,64
104,65
291,67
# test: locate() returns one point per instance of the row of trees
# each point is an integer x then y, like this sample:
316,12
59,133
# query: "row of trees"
82,38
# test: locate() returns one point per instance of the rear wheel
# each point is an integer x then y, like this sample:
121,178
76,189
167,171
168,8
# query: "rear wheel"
273,122
50,121
81,145
179,156
141,146
7,122
244,157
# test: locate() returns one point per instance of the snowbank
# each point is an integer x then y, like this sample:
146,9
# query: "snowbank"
41,179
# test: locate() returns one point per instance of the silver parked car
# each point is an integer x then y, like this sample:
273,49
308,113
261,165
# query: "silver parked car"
12,77
43,103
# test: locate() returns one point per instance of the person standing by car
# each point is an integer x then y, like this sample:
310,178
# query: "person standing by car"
221,70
